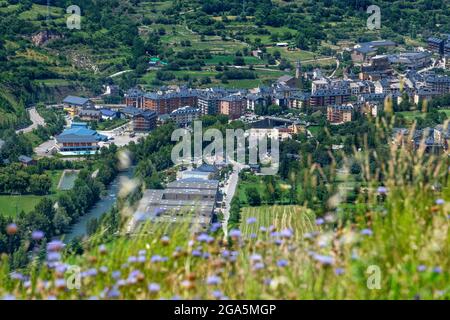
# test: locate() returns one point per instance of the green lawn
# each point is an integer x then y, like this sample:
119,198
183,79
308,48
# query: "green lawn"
12,204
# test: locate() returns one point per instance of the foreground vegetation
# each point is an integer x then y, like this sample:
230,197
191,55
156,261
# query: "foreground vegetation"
394,243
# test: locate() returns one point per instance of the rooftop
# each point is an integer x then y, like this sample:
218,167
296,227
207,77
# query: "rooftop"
73,100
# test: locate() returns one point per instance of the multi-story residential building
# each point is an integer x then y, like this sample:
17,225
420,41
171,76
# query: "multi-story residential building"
436,45
424,93
299,100
134,98
319,84
323,98
232,106
185,115
447,48
255,100
339,114
144,121
439,84
208,100
166,102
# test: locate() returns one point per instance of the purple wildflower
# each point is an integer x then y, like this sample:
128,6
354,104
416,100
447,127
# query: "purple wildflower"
202,237
217,294
235,233
55,245
255,258
320,221
325,260
196,253
53,256
213,280
286,233
366,232
154,287
282,263
421,268
440,201
37,235
156,258
339,271
251,220
437,269
258,266
382,190
113,293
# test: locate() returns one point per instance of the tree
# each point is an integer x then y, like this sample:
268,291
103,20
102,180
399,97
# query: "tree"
253,197
40,184
61,220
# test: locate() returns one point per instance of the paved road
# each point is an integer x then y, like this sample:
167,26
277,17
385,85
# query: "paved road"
35,118
230,190
119,73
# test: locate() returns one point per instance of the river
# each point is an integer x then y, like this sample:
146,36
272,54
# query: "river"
105,204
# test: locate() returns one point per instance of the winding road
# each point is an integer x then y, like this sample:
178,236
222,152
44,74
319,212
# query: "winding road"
36,118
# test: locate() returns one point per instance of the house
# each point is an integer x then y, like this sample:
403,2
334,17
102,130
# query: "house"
111,90
287,80
89,115
185,116
79,140
73,104
26,161
108,114
282,44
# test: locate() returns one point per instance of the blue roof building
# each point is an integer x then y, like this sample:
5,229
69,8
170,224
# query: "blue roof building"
79,140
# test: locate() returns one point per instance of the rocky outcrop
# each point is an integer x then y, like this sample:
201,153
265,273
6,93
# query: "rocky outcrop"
43,37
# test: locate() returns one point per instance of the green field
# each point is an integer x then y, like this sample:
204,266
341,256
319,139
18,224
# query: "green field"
11,205
216,59
297,218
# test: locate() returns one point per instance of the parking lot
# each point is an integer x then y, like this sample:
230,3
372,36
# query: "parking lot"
121,136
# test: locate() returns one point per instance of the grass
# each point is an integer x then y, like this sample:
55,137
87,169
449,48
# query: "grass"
216,59
296,218
10,205
402,234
